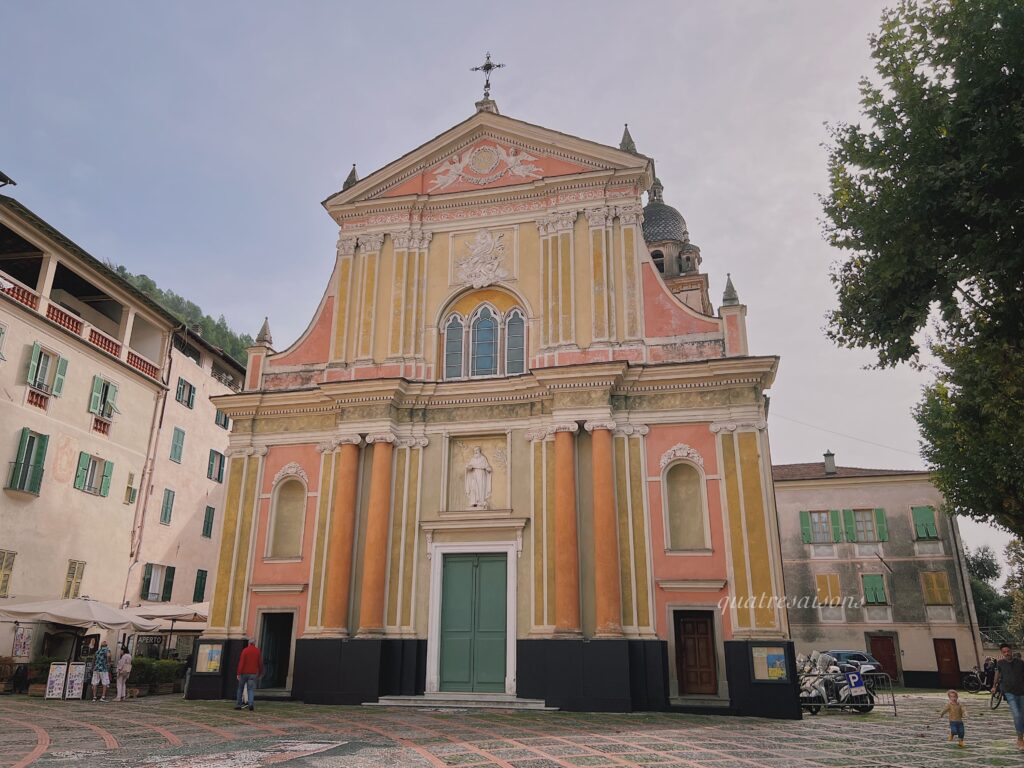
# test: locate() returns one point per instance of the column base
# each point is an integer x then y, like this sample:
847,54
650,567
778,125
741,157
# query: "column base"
358,670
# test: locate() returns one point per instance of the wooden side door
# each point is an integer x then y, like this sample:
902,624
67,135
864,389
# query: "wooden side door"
696,663
947,662
883,648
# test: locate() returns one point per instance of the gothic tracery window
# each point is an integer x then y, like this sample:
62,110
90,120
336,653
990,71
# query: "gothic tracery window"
486,343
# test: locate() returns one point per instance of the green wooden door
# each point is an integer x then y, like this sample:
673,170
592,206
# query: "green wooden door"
473,623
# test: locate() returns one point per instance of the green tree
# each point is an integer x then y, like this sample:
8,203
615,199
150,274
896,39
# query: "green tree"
993,607
1015,587
927,197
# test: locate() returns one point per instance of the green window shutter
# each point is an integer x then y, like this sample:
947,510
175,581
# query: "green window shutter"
180,396
874,589
924,523
147,576
132,495
33,363
209,466
191,396
35,480
805,526
850,524
168,583
199,593
208,523
836,525
177,443
97,395
111,399
220,468
881,525
108,470
58,379
83,470
20,459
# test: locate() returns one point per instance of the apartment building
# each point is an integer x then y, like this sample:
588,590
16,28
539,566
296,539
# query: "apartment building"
89,371
879,566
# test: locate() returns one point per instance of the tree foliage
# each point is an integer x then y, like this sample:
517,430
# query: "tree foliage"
1015,586
216,332
992,606
928,194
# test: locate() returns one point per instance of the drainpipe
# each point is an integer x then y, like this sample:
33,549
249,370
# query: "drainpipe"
139,524
965,584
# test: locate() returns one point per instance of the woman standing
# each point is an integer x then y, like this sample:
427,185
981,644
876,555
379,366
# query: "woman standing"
124,668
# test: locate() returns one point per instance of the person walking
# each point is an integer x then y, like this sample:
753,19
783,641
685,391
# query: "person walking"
1010,675
124,668
101,671
955,710
250,667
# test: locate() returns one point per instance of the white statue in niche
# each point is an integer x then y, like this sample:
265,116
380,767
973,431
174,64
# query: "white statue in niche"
478,480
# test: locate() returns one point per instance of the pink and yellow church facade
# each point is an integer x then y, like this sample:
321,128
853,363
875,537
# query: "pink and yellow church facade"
516,453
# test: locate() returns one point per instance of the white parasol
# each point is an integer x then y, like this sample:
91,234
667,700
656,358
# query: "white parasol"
194,612
79,612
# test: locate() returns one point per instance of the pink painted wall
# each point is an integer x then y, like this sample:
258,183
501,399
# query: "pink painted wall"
664,314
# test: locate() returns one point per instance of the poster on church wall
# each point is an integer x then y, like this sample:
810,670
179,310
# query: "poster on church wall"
22,642
76,680
208,657
55,680
769,663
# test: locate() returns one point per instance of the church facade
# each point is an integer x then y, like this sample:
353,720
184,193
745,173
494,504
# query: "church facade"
515,453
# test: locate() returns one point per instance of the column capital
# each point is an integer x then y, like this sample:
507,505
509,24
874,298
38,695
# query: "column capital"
346,245
590,426
630,214
560,221
420,240
629,430
371,243
348,440
732,426
380,437
599,217
412,442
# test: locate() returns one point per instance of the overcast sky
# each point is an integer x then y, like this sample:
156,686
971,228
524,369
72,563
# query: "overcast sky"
194,141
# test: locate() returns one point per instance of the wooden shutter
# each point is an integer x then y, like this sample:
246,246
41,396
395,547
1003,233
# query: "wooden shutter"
199,593
805,526
850,524
33,364
108,470
147,577
924,523
168,583
209,466
35,480
111,404
69,580
180,395
874,589
177,443
58,378
6,568
881,525
936,588
191,396
208,523
134,492
821,582
836,524
20,459
96,399
83,470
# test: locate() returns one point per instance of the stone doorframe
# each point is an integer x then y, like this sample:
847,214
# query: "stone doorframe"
257,635
436,553
719,629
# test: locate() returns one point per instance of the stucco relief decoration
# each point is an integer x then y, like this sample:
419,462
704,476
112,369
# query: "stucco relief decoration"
485,164
290,470
346,245
483,265
477,481
682,451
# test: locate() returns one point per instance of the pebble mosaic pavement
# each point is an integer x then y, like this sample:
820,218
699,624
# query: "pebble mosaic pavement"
169,732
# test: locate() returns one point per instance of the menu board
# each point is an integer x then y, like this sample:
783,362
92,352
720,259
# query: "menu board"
208,657
769,663
22,642
55,681
76,680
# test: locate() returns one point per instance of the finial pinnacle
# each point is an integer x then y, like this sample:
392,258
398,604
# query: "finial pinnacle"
730,298
351,179
487,67
264,337
627,144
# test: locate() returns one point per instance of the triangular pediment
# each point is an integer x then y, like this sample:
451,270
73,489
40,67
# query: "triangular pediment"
487,151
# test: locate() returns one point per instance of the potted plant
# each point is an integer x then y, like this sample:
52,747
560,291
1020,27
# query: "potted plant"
142,674
7,667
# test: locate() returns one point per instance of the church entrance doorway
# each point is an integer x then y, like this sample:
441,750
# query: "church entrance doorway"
696,669
473,639
276,645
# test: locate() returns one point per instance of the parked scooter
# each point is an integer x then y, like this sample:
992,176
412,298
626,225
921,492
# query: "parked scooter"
839,687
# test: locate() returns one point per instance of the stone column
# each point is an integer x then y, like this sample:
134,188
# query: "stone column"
339,545
608,606
567,556
375,553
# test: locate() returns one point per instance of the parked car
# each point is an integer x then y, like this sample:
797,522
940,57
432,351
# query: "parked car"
863,659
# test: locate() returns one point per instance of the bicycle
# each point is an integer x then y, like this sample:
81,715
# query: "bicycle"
996,699
972,682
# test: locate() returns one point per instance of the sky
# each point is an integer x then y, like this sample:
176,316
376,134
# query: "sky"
194,141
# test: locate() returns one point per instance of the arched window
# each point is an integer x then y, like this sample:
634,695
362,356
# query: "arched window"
659,260
288,516
484,353
684,496
515,343
453,348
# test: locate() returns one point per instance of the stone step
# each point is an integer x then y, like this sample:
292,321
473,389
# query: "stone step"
462,701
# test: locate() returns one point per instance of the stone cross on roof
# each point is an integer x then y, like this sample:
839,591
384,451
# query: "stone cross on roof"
487,67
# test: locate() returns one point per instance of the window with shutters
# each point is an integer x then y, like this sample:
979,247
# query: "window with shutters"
864,523
874,589
130,491
829,597
6,569
924,523
3,338
73,579
185,393
221,419
199,592
167,507
93,475
208,523
46,373
103,398
177,444
157,582
215,467
935,585
821,533
26,471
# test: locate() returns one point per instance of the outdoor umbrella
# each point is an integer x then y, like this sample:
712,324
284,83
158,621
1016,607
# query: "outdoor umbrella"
79,612
194,612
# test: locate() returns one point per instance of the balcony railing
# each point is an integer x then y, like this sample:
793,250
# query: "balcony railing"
104,342
25,477
64,319
142,364
24,295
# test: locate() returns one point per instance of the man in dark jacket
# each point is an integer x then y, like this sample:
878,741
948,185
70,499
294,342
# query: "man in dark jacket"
250,668
1010,675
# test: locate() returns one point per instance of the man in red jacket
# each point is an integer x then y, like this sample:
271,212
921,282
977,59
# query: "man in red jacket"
250,667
